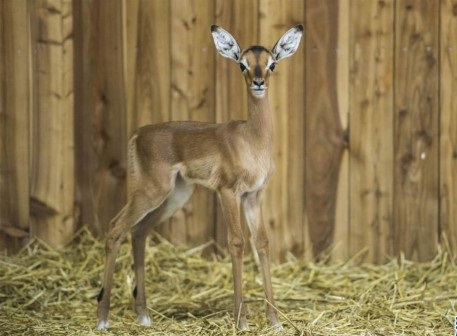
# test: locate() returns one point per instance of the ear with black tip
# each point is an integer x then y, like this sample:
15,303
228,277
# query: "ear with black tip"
225,43
288,44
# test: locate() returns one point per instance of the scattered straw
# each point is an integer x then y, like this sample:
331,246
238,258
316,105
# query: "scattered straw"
48,292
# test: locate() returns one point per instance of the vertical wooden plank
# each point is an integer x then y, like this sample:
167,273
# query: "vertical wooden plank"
192,98
416,128
448,125
147,66
14,124
52,175
240,18
283,206
325,137
131,39
147,62
340,248
100,112
371,139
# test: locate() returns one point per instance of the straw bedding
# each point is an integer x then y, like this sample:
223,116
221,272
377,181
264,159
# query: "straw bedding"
48,292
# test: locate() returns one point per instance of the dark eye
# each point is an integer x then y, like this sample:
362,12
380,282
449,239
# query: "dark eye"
242,67
272,66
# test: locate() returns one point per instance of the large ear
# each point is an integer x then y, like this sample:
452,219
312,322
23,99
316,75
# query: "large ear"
225,43
288,43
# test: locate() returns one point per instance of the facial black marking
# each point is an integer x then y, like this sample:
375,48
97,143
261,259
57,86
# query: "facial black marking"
258,71
100,295
257,49
272,66
242,67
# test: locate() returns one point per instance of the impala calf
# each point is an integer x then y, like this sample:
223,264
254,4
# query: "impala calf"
234,159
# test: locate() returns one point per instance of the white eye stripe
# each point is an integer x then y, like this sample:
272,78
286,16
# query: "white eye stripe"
269,63
246,65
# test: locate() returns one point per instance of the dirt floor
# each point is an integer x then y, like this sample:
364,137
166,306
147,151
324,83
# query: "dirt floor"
48,292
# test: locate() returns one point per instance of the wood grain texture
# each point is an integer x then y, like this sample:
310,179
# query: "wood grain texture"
192,98
132,37
147,66
100,112
325,137
448,122
14,124
240,18
416,128
283,208
371,140
340,248
147,62
386,68
52,185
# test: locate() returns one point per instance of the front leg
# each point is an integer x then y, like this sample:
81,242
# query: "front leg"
230,203
253,215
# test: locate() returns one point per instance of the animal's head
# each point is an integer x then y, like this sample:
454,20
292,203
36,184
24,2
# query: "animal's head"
257,62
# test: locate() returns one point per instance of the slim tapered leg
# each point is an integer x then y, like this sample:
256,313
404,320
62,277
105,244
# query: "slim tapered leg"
139,234
253,215
230,203
113,241
135,210
177,198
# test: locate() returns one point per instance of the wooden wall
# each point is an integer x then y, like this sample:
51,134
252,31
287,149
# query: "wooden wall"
365,115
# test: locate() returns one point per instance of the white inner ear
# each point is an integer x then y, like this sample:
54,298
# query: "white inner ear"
226,44
287,44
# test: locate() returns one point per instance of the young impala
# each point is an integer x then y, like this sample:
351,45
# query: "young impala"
234,159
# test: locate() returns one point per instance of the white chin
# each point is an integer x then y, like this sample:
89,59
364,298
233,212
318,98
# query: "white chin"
258,93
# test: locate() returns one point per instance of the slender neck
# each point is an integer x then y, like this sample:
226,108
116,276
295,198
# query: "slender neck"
260,122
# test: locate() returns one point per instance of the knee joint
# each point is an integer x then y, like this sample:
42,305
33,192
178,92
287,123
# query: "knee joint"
262,244
236,245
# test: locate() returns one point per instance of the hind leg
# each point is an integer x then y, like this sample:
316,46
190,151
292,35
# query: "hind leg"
139,205
177,198
139,233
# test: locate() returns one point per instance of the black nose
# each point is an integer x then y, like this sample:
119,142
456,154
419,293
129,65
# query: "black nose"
258,81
